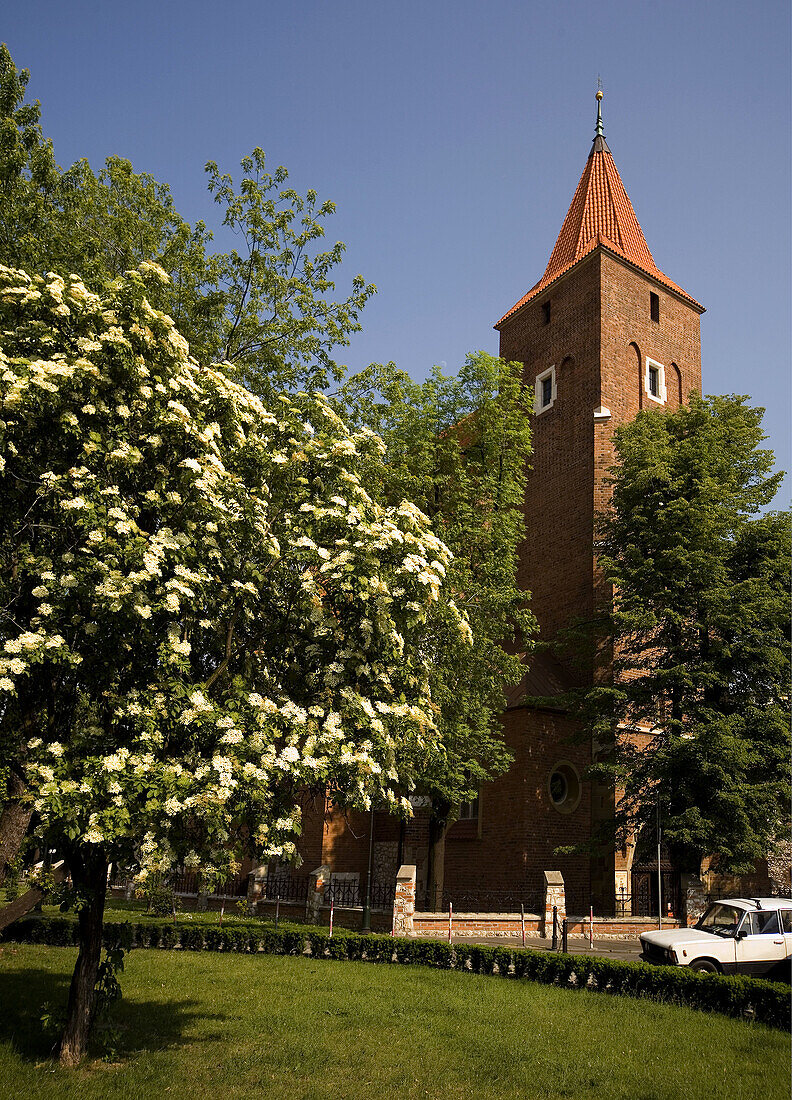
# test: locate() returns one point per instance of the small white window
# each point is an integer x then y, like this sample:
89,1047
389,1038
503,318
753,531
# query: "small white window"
655,382
545,394
469,811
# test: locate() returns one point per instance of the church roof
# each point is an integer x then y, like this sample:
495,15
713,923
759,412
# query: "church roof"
600,214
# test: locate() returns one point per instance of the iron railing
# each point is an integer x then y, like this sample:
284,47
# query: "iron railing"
286,888
187,883
347,894
382,895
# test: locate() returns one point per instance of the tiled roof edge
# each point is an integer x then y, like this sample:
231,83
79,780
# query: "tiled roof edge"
663,281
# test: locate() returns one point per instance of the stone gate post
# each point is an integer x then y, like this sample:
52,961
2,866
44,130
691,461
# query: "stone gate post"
317,880
404,901
257,884
554,896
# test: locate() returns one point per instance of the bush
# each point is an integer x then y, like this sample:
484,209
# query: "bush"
160,899
193,939
767,1002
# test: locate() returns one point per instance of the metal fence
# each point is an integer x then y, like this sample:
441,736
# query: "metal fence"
286,888
187,883
347,893
382,895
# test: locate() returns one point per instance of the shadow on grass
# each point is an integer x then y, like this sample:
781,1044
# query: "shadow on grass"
139,1025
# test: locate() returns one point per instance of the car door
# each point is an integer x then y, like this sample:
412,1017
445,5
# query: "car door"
785,916
760,943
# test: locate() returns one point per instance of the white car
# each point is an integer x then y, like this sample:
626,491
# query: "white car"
735,936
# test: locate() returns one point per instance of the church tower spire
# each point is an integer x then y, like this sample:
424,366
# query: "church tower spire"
599,136
600,215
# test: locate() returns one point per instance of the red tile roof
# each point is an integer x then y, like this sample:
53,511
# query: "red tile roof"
600,214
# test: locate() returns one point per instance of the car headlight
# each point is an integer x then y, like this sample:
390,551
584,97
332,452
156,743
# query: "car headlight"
671,955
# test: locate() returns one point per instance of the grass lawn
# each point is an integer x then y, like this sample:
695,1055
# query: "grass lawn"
204,1025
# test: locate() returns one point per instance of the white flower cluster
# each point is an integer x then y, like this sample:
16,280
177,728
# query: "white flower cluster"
235,613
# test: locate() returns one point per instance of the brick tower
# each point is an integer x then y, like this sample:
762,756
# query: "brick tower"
603,334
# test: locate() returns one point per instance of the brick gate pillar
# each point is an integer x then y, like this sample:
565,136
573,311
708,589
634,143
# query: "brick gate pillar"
404,901
554,896
257,884
317,880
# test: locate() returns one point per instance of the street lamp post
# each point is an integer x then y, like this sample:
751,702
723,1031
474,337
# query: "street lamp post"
659,872
366,925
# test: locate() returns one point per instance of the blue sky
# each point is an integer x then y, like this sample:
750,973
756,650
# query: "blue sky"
451,137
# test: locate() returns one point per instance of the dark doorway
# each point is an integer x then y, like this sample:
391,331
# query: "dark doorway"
644,890
643,887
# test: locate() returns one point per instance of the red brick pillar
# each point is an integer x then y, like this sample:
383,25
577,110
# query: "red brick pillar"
317,880
554,896
257,884
404,901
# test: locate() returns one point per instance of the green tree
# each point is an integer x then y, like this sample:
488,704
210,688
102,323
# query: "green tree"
203,611
265,307
458,447
698,630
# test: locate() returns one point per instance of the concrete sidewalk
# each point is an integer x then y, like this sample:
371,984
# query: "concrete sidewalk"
629,950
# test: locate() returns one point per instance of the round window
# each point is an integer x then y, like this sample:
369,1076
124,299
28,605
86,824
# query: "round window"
559,788
563,786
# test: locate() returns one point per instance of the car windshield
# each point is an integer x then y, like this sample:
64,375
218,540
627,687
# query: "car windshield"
721,920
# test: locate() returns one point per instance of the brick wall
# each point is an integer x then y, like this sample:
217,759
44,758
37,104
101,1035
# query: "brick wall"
519,826
599,335
556,557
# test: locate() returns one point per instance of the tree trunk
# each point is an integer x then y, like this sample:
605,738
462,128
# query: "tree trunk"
14,821
89,874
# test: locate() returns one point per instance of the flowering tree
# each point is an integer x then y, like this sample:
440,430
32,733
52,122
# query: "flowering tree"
202,611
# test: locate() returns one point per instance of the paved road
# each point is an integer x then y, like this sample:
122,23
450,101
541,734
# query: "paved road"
578,945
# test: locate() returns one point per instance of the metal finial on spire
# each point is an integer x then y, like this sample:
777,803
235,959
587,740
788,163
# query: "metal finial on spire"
600,145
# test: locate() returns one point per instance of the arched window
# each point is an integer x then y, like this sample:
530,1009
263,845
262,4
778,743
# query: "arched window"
637,361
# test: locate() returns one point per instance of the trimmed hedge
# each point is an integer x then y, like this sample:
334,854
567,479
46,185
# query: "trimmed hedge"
767,1002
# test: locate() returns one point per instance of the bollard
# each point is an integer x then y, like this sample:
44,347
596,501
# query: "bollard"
522,923
554,945
277,911
331,915
564,932
450,919
591,926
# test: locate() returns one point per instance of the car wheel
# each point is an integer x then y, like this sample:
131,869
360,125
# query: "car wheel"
705,966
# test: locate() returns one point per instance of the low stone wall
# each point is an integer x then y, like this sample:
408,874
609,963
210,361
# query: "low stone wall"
617,928
485,925
343,917
501,925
